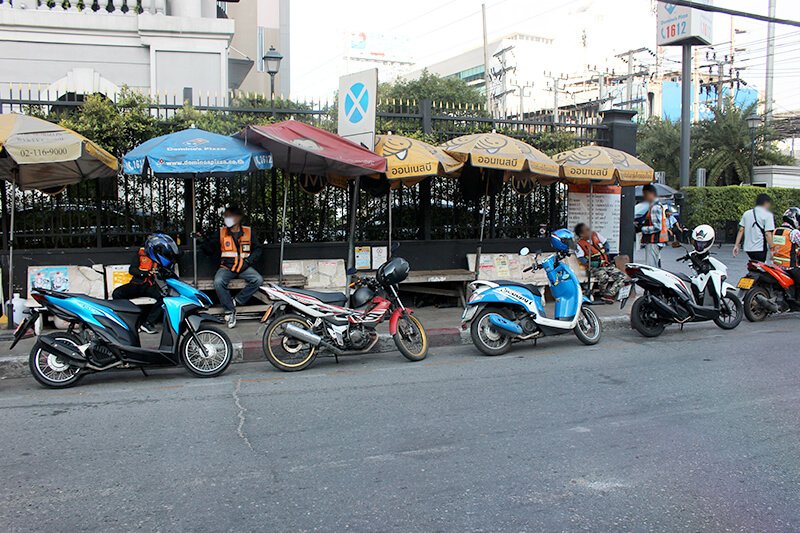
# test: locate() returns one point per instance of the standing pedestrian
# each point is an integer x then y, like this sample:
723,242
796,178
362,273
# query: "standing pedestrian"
755,229
654,228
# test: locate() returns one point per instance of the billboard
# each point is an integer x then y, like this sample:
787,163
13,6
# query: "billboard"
370,46
677,25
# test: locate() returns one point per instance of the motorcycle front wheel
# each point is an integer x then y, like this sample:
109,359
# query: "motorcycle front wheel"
51,371
284,351
645,320
753,310
589,330
731,312
213,359
410,338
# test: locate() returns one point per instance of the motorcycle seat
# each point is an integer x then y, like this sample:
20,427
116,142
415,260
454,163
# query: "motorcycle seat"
336,298
123,306
683,276
533,288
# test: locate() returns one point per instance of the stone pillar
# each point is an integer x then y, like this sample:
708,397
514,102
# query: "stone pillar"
185,8
621,135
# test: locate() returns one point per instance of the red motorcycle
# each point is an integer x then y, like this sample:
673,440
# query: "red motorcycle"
769,290
302,322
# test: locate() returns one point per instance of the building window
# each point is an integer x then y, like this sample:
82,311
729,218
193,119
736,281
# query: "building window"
261,64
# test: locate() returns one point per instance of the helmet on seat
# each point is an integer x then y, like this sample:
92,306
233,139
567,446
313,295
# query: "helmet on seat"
703,237
162,249
792,217
361,297
562,239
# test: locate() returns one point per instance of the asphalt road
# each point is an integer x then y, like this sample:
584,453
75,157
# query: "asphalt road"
694,431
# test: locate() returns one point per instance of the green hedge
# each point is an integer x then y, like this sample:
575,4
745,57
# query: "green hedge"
715,205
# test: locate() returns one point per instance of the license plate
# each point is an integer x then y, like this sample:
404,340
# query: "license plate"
746,283
624,292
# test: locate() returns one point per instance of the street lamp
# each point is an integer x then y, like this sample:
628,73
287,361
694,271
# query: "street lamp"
273,60
753,121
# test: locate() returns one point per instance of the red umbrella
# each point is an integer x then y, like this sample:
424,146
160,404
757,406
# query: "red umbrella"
304,149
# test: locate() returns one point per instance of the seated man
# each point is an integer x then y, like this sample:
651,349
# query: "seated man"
157,249
593,252
786,246
239,248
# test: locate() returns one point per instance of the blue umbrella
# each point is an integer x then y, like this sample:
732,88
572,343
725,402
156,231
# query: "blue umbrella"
194,153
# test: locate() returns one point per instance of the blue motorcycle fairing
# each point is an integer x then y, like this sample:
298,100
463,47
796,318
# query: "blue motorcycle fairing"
187,291
564,286
504,323
86,310
175,308
514,295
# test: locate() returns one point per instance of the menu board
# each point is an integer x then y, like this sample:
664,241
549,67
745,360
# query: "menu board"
603,212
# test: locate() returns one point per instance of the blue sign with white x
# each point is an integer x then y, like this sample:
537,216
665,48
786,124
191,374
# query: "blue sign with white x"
356,102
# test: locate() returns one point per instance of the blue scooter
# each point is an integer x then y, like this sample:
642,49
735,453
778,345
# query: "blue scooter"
500,313
103,334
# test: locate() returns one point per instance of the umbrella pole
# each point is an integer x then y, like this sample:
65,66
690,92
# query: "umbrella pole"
591,204
283,215
10,307
483,224
194,231
389,198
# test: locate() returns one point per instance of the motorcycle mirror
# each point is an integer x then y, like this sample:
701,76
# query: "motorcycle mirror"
351,271
525,251
395,246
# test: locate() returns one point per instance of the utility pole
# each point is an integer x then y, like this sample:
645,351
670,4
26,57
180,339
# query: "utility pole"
768,87
721,79
486,72
601,86
555,79
521,89
631,74
686,116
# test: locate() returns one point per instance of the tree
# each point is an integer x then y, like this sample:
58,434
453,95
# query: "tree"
433,87
722,145
658,144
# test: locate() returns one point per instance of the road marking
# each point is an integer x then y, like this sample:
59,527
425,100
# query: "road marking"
542,353
51,395
161,388
257,380
617,346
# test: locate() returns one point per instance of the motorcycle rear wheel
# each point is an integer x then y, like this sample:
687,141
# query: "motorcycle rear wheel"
284,352
49,370
753,310
218,352
485,335
734,307
410,338
645,320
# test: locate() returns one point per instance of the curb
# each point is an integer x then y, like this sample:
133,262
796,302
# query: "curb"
16,366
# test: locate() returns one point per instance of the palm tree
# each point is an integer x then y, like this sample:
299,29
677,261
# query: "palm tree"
658,144
722,145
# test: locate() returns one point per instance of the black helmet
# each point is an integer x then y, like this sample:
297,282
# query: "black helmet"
362,296
162,249
792,217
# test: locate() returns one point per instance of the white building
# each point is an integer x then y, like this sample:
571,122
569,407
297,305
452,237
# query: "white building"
169,47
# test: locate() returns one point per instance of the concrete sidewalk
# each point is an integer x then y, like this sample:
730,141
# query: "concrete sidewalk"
443,326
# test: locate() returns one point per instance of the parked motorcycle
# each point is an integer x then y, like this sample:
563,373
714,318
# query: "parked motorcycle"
767,290
500,313
677,298
104,334
305,321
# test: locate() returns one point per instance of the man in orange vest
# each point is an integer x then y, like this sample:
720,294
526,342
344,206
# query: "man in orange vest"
786,246
593,251
655,228
239,249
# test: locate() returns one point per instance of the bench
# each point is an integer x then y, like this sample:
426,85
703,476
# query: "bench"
418,281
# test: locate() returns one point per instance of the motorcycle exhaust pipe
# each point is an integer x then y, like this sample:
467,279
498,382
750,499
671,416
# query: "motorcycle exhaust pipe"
303,335
769,305
64,350
664,308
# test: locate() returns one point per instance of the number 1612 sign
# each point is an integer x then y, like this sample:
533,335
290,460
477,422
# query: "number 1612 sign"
677,25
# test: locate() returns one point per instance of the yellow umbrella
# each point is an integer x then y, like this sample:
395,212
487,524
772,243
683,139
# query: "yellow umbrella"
603,166
500,152
409,161
37,154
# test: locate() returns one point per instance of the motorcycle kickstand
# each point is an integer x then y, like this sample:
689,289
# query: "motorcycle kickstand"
681,326
143,372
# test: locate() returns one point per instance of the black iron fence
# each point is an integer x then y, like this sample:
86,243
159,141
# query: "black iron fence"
121,211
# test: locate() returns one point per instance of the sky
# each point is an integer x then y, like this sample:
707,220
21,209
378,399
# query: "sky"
438,29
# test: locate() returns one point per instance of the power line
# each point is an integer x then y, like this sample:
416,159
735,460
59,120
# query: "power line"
745,14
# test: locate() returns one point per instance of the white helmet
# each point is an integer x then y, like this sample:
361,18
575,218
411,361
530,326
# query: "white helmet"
703,237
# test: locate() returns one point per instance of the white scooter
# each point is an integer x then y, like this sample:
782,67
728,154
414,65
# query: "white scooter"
677,298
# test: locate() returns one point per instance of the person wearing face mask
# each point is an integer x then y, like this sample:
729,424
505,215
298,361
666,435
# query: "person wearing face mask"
239,249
